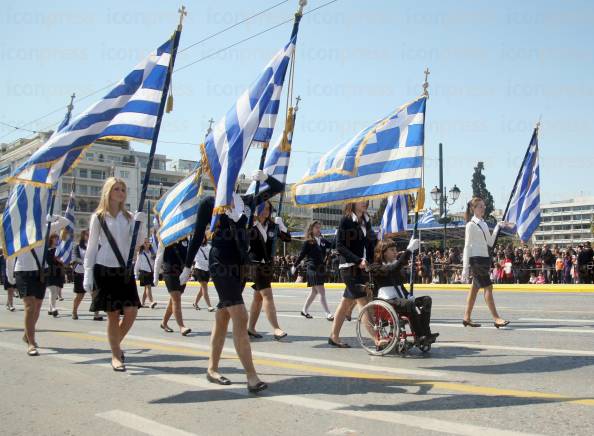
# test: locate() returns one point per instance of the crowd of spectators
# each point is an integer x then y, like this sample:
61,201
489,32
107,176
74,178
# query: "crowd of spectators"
537,264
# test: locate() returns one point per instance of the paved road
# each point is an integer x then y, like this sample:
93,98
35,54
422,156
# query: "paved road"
535,377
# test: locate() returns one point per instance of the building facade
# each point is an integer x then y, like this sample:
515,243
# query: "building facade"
566,222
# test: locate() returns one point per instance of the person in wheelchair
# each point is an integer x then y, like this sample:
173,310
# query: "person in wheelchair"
388,278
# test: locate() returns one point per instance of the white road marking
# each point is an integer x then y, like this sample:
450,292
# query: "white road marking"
292,358
141,425
523,329
585,321
408,420
511,348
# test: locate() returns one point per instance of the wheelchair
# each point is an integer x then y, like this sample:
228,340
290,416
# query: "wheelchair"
380,330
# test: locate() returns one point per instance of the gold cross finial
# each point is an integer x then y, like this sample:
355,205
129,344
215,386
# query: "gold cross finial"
182,13
426,83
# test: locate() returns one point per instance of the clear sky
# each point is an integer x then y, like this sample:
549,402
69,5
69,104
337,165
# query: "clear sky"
496,67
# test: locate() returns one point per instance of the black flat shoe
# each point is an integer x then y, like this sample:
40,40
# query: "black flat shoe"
211,309
219,381
97,318
279,337
186,332
306,315
153,304
167,328
503,324
260,386
470,323
74,316
254,335
338,344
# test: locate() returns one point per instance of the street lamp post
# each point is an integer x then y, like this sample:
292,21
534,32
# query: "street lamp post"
444,201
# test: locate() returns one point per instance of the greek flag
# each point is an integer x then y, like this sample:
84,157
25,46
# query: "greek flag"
23,221
395,217
278,156
129,110
250,119
64,248
524,204
154,238
177,209
384,159
428,218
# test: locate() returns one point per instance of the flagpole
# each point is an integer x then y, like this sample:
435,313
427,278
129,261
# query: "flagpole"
515,188
53,198
298,16
147,174
420,195
282,195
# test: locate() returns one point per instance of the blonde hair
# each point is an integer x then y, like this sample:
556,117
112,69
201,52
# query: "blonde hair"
103,207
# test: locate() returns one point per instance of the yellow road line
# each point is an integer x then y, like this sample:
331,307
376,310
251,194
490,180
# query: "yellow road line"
448,386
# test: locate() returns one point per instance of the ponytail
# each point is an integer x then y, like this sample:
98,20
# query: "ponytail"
470,208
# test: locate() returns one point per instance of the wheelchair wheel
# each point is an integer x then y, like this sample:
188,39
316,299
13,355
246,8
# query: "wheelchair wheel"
378,323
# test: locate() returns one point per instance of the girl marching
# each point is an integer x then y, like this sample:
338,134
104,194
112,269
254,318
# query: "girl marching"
314,250
110,236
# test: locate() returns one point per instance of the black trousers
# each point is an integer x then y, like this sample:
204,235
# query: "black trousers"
419,322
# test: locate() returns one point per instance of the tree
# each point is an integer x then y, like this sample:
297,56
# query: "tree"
479,189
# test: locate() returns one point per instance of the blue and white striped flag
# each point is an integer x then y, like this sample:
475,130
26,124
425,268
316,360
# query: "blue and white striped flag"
64,248
524,206
278,156
24,220
395,217
384,159
177,209
129,110
250,119
154,238
428,218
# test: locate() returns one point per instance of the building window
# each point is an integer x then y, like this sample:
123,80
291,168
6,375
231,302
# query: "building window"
125,174
82,189
95,190
97,174
82,172
90,156
66,187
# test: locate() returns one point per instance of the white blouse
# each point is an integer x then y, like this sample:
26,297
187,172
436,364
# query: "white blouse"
477,240
121,229
144,262
201,259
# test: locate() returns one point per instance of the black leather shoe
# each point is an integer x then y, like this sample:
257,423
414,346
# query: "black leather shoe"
470,323
306,315
338,344
254,335
503,324
260,386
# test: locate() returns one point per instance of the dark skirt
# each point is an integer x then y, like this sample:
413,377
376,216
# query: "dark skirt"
201,275
55,277
78,283
29,285
315,275
228,279
115,290
355,280
261,274
481,271
146,278
172,283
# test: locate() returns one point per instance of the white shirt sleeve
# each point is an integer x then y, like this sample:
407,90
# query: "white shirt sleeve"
491,237
159,259
466,254
137,266
92,244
